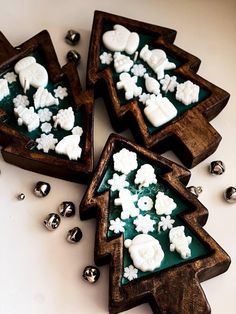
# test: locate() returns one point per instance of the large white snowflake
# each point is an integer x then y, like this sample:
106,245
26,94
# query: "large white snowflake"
125,161
117,182
46,127
187,93
138,70
117,225
45,115
145,176
21,100
106,58
46,142
61,92
10,77
168,83
131,272
165,223
144,224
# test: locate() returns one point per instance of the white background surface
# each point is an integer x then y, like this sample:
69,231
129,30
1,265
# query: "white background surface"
39,271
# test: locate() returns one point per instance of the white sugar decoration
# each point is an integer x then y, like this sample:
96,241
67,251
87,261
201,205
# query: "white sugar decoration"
152,85
143,98
46,127
164,204
27,116
65,118
144,224
179,242
128,83
125,161
118,182
168,83
43,98
145,176
117,225
10,77
31,73
121,39
77,130
126,201
157,60
122,63
46,142
69,146
187,93
106,58
138,70
145,252
145,203
60,92
159,110
45,115
130,272
165,223
4,90
21,100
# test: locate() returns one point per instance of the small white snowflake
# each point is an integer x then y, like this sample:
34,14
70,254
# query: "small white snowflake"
10,77
45,115
46,127
168,83
60,92
117,182
138,70
145,203
144,224
106,58
77,130
131,272
145,176
46,142
21,100
117,225
125,161
143,98
187,93
165,223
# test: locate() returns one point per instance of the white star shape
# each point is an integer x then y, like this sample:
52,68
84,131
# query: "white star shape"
117,225
10,77
45,115
46,127
117,182
131,272
46,142
60,92
144,224
138,70
106,58
165,223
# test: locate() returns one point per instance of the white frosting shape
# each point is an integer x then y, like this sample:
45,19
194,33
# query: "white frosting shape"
125,161
31,73
106,58
45,115
65,118
152,85
117,225
43,98
138,70
169,83
10,77
165,223
130,272
77,130
121,39
122,63
60,92
27,116
144,224
46,127
157,60
179,242
159,110
69,146
118,182
4,90
128,83
126,201
145,252
144,97
187,93
145,176
164,204
145,203
46,142
21,100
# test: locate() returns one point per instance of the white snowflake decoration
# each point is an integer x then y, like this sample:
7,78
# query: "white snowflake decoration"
138,70
125,161
21,100
144,224
60,92
143,98
77,130
131,272
145,203
117,182
169,83
46,142
46,127
4,90
187,93
117,225
10,77
165,223
45,115
164,204
106,58
145,176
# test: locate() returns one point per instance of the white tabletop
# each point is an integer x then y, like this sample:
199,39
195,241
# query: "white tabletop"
39,271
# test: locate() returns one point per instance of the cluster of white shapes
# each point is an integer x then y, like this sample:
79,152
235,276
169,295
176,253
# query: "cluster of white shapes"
180,242
27,116
10,77
122,63
187,93
138,70
145,176
43,98
46,127
4,90
164,204
129,84
60,92
45,115
152,85
106,58
117,225
125,161
69,146
126,201
118,182
165,223
169,83
130,272
145,203
46,142
21,100
144,224
65,118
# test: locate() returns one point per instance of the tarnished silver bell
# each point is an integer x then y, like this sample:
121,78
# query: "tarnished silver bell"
73,56
21,197
72,37
196,190
230,194
67,209
74,235
91,274
52,221
217,167
42,189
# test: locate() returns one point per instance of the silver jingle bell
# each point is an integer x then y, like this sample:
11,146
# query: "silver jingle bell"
52,221
74,235
42,189
72,37
217,167
91,274
195,190
230,194
73,56
21,197
67,209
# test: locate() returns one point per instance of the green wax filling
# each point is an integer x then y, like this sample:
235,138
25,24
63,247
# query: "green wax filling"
171,259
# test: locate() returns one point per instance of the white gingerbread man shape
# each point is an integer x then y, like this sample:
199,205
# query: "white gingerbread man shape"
179,242
126,201
128,83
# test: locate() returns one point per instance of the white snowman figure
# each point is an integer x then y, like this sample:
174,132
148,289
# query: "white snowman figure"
179,242
31,73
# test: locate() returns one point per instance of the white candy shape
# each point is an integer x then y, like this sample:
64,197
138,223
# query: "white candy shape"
46,142
152,85
4,90
65,118
122,63
126,201
128,83
144,224
43,98
27,116
125,161
118,182
164,204
169,83
179,242
21,100
145,176
145,203
145,252
69,146
31,73
187,93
